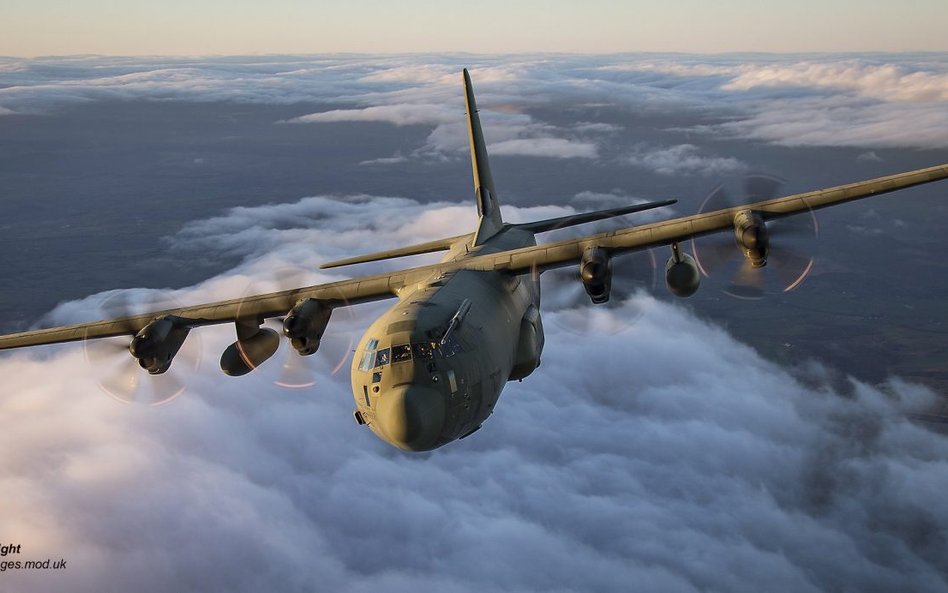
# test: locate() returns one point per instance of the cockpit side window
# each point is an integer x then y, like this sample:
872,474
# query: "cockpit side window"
401,353
422,350
382,358
368,356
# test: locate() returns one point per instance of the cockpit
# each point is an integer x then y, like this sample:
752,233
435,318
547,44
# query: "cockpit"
404,387
374,357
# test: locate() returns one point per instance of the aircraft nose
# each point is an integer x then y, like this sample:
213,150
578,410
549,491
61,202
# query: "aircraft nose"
411,417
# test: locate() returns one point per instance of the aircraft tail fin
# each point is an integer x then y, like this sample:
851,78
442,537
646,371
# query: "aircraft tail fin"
487,206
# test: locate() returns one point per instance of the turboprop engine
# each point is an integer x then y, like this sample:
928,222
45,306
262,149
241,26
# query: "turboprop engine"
751,235
305,325
681,273
595,269
157,343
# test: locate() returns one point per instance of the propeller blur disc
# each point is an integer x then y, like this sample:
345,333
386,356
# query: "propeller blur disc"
118,373
565,297
791,244
335,349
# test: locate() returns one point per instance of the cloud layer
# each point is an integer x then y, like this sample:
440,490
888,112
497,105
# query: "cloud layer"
684,159
872,101
665,458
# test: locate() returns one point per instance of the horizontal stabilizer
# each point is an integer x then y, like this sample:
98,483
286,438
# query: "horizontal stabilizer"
429,247
551,224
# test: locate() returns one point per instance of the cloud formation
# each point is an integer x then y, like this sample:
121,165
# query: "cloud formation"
845,122
399,115
684,159
872,101
888,82
682,462
558,148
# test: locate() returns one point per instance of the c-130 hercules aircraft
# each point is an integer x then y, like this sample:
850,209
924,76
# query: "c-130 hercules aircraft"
432,367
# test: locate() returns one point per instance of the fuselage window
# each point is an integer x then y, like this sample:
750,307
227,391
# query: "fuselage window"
401,353
382,357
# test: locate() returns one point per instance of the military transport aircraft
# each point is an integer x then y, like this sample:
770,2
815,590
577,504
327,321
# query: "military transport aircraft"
432,367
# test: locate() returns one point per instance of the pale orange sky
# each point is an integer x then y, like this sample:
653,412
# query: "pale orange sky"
178,27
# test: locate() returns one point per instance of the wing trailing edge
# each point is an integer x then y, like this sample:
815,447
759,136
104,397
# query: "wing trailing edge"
420,248
552,224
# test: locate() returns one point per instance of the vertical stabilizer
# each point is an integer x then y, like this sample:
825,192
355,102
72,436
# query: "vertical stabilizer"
487,206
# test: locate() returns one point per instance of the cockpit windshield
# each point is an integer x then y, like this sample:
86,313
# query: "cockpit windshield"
423,350
401,353
368,355
375,357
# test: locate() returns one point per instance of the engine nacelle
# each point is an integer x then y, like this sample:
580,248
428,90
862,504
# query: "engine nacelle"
751,235
681,274
595,269
249,351
305,325
157,343
529,346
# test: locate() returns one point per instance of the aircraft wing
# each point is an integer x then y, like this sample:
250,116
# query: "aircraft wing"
253,310
570,251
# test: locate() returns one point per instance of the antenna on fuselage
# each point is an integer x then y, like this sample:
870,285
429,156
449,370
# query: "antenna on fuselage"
455,322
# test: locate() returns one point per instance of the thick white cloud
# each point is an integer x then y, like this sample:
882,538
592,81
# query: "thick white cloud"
414,74
888,82
666,458
871,101
876,101
390,160
510,133
917,80
558,148
683,158
399,115
845,122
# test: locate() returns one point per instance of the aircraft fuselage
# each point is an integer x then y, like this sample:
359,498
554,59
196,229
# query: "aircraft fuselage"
418,390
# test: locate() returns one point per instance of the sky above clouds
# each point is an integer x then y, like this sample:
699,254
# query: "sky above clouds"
203,27
670,456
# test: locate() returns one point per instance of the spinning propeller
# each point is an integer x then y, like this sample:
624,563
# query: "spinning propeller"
125,377
564,293
758,258
298,367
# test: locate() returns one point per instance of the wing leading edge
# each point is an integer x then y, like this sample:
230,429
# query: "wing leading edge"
250,309
562,253
516,261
